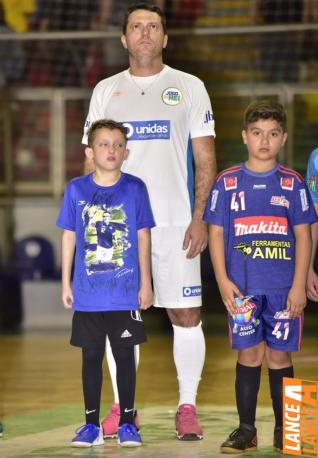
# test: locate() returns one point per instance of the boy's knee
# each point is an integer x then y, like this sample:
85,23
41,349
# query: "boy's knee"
252,356
278,359
123,354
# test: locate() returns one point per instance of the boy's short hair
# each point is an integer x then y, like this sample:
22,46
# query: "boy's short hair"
105,124
147,7
265,109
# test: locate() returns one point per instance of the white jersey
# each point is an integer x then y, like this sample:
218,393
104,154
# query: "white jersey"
161,118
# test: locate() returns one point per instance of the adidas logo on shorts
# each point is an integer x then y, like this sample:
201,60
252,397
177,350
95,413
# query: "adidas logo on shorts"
125,334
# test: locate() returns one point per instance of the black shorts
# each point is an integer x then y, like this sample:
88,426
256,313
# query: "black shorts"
123,328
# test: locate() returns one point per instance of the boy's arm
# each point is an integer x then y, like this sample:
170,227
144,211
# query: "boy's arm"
227,288
312,278
296,300
145,295
68,249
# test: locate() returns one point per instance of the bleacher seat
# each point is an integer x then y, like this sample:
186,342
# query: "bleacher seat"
32,258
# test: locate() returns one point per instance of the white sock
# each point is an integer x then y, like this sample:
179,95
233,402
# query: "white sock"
189,355
112,367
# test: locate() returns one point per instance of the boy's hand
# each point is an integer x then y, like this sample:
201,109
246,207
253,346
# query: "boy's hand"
296,302
67,297
145,297
228,291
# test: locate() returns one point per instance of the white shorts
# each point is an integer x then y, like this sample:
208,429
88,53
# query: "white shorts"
176,279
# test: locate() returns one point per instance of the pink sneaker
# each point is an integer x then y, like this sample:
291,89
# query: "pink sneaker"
111,422
187,426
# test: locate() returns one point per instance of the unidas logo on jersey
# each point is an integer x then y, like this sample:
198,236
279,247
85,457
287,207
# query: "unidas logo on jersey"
148,130
190,291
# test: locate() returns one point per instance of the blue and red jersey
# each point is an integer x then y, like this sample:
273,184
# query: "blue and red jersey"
258,213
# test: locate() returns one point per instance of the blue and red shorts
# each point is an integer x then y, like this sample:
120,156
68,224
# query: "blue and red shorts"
265,318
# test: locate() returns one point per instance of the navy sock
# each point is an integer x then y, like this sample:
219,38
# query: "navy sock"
92,377
126,382
276,389
247,384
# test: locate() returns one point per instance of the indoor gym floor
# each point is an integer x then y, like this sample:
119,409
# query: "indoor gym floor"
41,397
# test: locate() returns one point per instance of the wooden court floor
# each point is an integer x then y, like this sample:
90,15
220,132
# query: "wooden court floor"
41,398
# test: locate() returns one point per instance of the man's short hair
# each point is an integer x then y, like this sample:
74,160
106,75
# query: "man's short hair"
147,7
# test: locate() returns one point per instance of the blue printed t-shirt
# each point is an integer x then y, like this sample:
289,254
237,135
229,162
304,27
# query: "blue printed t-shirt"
312,175
106,221
258,212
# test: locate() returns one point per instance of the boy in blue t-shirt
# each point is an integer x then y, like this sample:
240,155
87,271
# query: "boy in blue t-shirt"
259,236
106,220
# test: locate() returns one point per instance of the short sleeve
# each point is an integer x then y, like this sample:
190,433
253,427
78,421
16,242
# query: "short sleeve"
201,115
312,175
144,217
67,215
215,206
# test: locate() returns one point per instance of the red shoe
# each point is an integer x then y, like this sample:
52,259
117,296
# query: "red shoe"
111,422
187,426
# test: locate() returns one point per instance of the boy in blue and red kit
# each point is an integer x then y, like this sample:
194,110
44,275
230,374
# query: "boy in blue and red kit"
259,214
112,280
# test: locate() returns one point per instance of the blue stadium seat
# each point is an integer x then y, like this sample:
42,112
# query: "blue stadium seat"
32,258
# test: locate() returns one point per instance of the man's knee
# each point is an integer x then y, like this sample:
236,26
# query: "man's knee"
185,318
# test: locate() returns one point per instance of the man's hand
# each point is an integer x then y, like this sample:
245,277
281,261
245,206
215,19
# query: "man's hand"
145,297
312,286
196,238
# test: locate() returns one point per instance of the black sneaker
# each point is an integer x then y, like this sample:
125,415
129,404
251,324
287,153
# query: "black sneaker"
240,440
278,438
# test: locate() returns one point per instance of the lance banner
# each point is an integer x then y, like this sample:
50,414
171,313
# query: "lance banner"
300,417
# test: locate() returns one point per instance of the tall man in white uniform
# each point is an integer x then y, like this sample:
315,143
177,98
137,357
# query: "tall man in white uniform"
170,123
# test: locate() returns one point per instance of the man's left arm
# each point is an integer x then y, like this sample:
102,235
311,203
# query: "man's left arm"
196,236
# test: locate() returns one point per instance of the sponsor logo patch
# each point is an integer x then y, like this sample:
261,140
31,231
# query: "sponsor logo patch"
312,183
172,96
244,322
280,201
265,249
208,117
304,200
148,130
190,291
230,183
214,199
260,225
125,334
259,186
287,183
282,315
